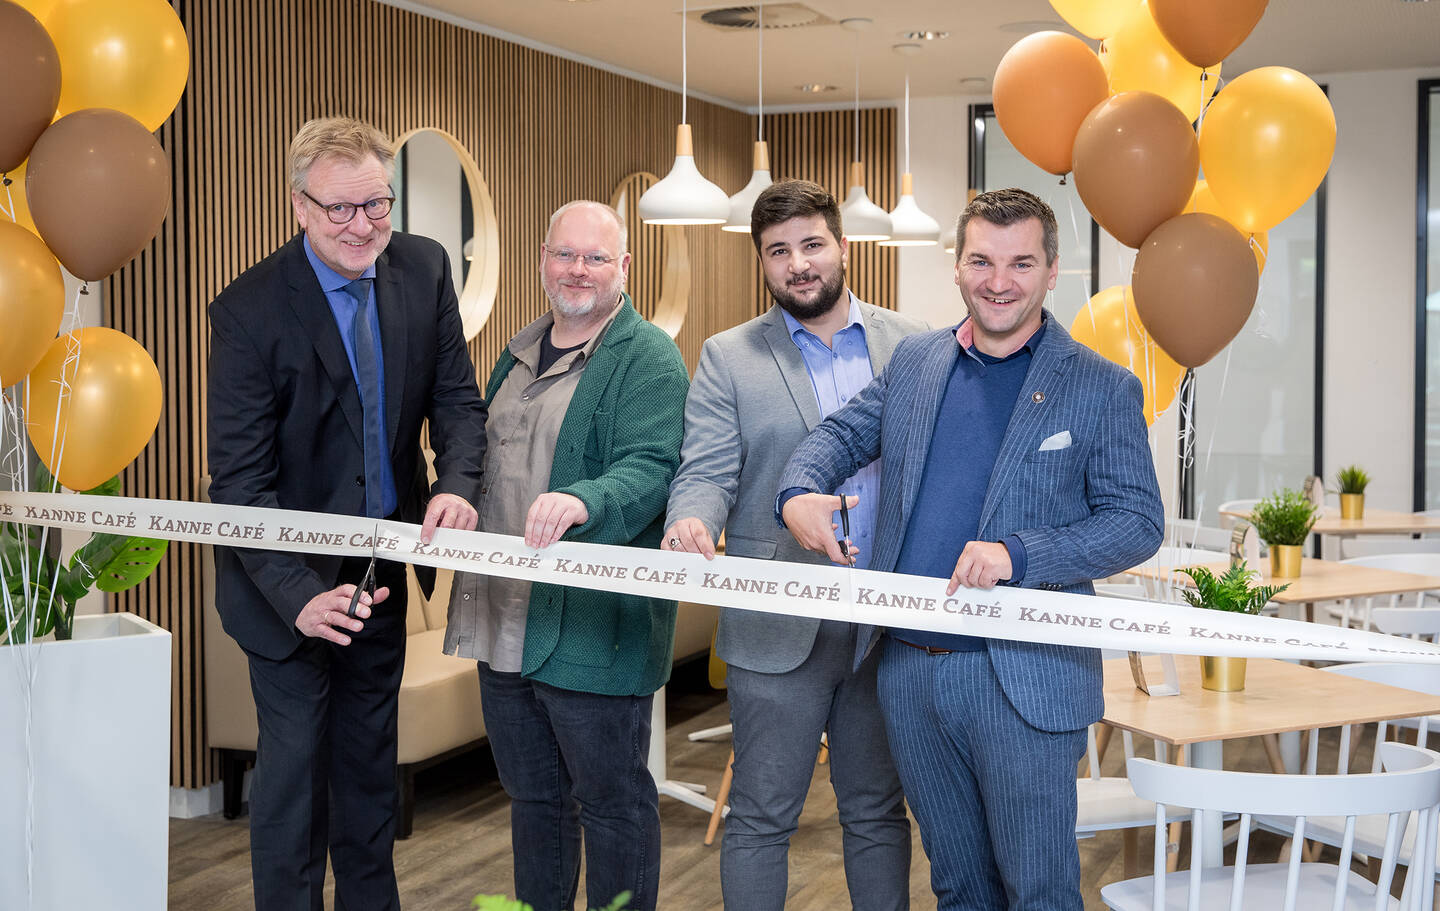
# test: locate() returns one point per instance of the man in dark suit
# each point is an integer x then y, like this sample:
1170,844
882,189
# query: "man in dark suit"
325,359
1013,455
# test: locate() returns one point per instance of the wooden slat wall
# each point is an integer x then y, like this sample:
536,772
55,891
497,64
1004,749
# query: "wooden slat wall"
544,131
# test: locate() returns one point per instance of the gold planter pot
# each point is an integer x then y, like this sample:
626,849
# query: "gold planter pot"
1352,506
1285,560
1222,675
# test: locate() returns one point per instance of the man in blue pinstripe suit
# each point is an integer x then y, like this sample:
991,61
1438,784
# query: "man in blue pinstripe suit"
1013,456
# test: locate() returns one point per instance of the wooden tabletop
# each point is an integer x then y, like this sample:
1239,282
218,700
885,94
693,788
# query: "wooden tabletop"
1320,580
1278,697
1375,522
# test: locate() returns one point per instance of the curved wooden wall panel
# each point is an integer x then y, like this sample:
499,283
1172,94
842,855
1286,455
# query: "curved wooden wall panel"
260,68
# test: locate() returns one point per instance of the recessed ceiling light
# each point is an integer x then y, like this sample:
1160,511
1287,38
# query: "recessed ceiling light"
856,23
973,82
906,50
924,35
814,88
1026,26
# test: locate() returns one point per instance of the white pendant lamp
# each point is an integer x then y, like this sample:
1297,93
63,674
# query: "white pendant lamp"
743,202
860,219
684,197
910,227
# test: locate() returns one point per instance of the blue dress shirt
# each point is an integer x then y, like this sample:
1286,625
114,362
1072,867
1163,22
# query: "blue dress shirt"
838,372
343,306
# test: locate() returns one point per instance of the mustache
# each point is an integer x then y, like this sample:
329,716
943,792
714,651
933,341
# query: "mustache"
801,279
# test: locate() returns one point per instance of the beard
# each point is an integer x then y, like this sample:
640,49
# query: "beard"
831,287
605,295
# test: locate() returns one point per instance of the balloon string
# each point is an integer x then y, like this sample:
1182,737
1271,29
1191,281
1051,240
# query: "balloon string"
9,207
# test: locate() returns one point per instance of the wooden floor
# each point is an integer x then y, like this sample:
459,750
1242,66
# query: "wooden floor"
461,845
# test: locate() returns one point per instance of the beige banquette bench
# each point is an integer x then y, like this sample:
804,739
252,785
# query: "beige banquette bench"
439,694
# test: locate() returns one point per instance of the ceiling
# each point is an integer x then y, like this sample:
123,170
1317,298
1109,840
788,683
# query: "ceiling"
642,37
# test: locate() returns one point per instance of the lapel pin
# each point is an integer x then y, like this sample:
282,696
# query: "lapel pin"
1038,397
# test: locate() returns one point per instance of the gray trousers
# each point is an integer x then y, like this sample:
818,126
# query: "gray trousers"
778,720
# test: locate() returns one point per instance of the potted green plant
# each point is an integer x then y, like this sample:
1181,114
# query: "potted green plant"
1282,520
1231,592
1352,481
501,903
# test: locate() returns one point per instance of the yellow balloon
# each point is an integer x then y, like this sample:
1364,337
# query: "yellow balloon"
1266,144
1109,325
130,55
1095,18
14,195
1137,58
108,413
1203,200
32,300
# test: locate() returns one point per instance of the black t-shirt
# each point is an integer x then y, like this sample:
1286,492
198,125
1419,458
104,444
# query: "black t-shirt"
549,354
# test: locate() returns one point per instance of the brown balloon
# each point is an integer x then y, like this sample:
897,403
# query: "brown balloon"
1044,86
1206,33
99,187
1194,283
30,72
1136,160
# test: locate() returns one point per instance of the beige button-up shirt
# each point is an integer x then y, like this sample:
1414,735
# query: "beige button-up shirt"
487,613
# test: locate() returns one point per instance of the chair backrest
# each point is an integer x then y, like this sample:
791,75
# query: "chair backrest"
1190,533
1409,784
1373,545
1422,678
1425,564
1412,622
1245,506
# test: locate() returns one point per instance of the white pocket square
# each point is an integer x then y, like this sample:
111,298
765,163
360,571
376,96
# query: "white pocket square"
1056,441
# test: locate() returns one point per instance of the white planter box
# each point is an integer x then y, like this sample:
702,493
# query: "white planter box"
98,767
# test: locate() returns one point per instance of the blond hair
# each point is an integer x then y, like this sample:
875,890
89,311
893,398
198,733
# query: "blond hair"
342,137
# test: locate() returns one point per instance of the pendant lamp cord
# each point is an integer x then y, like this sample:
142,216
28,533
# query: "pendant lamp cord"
857,96
684,62
760,66
907,120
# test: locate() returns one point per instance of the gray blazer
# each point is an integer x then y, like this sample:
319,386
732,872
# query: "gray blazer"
749,405
1083,511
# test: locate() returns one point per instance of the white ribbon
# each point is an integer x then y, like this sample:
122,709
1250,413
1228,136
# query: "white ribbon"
793,589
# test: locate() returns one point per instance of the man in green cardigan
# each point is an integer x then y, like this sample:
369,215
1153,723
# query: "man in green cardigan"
586,417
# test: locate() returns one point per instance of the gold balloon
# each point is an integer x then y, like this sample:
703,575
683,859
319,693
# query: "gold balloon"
130,55
1203,200
1109,325
1095,18
1266,144
1137,58
38,8
32,300
108,413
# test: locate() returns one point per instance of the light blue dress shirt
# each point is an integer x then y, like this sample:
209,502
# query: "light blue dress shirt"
838,372
342,306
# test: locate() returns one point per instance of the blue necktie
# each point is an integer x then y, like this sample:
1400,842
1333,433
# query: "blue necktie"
367,372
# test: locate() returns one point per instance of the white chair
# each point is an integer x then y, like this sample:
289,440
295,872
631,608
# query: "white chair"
1370,832
1228,522
1410,784
1106,803
1357,611
1190,533
1421,623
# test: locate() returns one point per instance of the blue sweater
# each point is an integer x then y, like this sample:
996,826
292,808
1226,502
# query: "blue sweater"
971,423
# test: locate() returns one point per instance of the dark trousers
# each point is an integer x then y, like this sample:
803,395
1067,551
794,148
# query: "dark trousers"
325,763
573,761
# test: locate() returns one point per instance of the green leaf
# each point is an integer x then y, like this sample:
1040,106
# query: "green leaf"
42,481
133,565
87,564
1284,517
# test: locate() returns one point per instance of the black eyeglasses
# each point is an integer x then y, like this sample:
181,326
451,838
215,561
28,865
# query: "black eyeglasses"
566,257
340,213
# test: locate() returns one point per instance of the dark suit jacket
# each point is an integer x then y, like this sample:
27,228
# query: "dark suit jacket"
285,421
1083,511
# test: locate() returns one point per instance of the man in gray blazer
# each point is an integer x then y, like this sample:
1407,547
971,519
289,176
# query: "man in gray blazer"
759,389
1013,455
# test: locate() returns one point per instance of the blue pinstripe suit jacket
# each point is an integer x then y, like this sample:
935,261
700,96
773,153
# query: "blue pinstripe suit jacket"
1083,512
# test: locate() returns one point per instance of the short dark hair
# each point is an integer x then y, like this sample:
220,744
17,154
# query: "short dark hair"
787,199
1006,207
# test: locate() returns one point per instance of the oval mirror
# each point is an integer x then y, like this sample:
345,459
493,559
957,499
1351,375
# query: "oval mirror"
440,194
659,281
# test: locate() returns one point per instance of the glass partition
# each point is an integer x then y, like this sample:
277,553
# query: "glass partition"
1427,301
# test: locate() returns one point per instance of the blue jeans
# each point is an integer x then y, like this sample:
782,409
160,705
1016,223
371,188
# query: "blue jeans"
994,796
573,761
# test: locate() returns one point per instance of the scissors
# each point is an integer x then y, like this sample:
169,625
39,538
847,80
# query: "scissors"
844,540
368,582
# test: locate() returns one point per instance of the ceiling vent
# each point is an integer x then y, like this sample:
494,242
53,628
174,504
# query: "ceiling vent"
777,16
